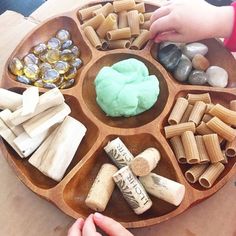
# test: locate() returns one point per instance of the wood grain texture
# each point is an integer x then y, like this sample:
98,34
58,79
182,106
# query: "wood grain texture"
17,198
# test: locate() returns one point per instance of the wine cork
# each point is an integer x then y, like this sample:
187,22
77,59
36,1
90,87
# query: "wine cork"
102,188
163,188
119,153
132,190
145,162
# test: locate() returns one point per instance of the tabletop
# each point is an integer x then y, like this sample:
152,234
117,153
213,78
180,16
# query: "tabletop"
23,213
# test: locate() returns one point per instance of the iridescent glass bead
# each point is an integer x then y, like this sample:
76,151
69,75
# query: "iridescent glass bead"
62,67
31,59
54,43
63,35
50,76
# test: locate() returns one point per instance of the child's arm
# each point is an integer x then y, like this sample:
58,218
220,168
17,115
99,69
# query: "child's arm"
230,42
188,21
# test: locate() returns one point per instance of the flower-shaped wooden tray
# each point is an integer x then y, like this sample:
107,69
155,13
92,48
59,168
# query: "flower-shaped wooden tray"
138,132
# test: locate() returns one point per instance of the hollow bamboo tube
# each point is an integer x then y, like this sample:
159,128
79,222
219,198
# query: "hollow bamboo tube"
123,21
186,114
230,149
119,44
140,41
145,162
209,106
204,129
206,118
123,33
208,178
141,18
140,7
225,161
222,129
123,5
93,37
211,141
87,13
177,130
204,158
133,22
197,112
178,149
163,188
102,188
105,10
132,190
193,174
106,25
232,107
190,147
226,115
204,97
94,22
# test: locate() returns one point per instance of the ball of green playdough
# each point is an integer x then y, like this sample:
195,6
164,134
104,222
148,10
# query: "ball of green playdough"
126,88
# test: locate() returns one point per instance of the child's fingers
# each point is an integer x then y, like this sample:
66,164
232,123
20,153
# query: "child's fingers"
163,11
168,36
76,228
110,226
89,228
161,25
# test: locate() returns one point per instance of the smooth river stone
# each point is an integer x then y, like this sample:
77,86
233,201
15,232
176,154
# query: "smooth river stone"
200,62
192,49
169,56
183,69
197,77
217,76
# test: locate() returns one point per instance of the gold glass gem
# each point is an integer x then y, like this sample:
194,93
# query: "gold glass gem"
76,51
63,35
39,83
71,73
77,63
67,84
67,44
53,55
67,55
62,67
40,48
16,66
23,79
31,71
50,76
31,59
54,43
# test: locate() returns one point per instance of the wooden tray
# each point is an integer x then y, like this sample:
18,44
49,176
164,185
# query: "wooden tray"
138,133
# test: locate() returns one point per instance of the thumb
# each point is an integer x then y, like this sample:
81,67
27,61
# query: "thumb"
110,226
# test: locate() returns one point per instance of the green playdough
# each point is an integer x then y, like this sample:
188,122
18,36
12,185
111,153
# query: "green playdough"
126,88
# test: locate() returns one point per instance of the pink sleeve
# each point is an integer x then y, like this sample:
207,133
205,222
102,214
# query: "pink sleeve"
230,42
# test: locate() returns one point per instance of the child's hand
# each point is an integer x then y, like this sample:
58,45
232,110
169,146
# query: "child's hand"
88,227
188,21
